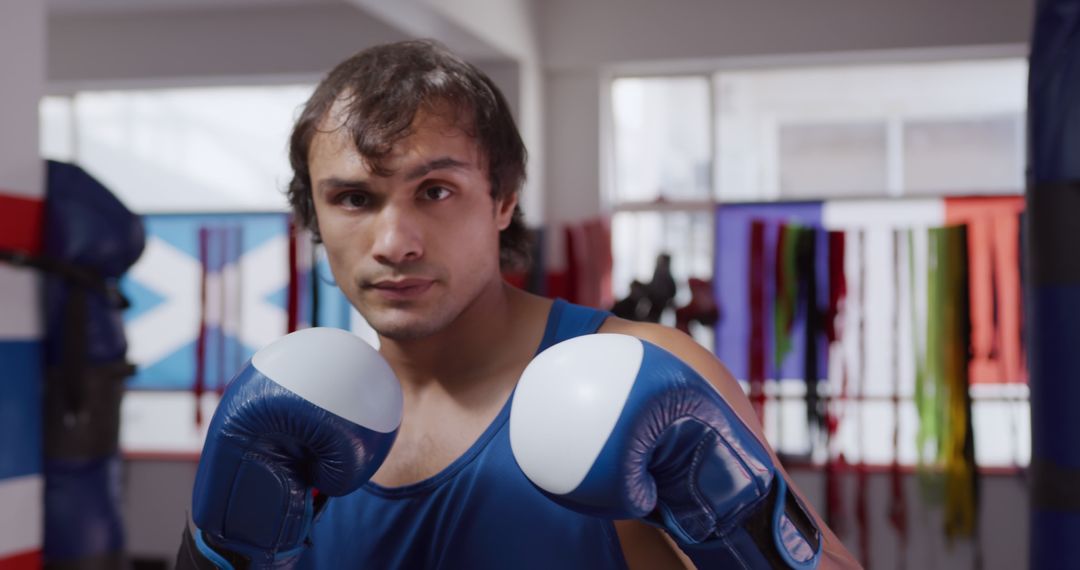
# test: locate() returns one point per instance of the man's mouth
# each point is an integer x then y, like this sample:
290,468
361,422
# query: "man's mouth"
401,289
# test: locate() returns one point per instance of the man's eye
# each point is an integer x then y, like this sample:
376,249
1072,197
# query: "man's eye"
353,200
436,193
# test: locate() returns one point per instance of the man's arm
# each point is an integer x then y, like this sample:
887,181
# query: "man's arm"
834,554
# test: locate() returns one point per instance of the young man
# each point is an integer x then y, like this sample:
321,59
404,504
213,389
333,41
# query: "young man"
407,167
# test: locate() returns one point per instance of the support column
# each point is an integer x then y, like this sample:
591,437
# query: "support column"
22,83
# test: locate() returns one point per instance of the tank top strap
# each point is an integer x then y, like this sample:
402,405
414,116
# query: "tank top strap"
567,321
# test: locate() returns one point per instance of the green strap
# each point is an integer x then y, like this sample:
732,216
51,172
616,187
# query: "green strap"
927,338
935,338
918,342
786,293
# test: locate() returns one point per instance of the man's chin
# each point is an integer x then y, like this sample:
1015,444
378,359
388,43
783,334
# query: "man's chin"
405,329
403,333
407,321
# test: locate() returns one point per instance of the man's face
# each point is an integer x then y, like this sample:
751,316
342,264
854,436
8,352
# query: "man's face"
413,249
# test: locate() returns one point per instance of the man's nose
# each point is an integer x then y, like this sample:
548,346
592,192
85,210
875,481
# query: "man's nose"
399,235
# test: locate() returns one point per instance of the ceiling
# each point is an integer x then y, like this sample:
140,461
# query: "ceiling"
104,43
131,6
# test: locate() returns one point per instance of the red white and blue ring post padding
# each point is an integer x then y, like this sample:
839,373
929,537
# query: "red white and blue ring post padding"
21,481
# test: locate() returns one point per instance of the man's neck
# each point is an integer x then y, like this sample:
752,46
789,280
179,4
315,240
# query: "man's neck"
475,346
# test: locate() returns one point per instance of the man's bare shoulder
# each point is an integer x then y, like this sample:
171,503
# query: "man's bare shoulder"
674,341
698,357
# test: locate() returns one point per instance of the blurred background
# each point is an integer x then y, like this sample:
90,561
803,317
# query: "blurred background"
829,196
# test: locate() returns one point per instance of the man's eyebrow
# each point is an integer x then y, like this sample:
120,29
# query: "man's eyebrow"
328,184
443,163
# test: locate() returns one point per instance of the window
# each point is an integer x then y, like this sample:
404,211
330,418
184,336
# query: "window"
964,155
662,139
864,130
179,150
839,144
836,160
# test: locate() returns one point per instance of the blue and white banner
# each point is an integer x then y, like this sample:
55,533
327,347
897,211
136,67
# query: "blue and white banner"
246,283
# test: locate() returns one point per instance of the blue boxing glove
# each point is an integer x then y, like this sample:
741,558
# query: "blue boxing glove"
317,409
612,426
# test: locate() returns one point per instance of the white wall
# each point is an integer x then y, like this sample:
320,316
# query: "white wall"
22,63
573,141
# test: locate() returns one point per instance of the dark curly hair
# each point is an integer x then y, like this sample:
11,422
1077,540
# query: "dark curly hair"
383,87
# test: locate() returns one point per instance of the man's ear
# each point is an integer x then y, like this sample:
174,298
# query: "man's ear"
504,210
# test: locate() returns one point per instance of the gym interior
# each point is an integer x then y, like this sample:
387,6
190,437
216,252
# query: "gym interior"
865,210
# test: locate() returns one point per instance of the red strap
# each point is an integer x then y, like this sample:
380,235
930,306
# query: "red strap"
200,347
757,317
28,560
599,235
293,300
21,223
836,464
1009,296
994,290
221,244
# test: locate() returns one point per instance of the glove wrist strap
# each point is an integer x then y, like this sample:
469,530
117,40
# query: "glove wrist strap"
778,533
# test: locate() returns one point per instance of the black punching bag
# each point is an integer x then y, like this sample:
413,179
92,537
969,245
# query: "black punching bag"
1053,275
90,241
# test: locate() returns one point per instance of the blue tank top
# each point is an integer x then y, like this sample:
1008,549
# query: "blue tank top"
480,512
